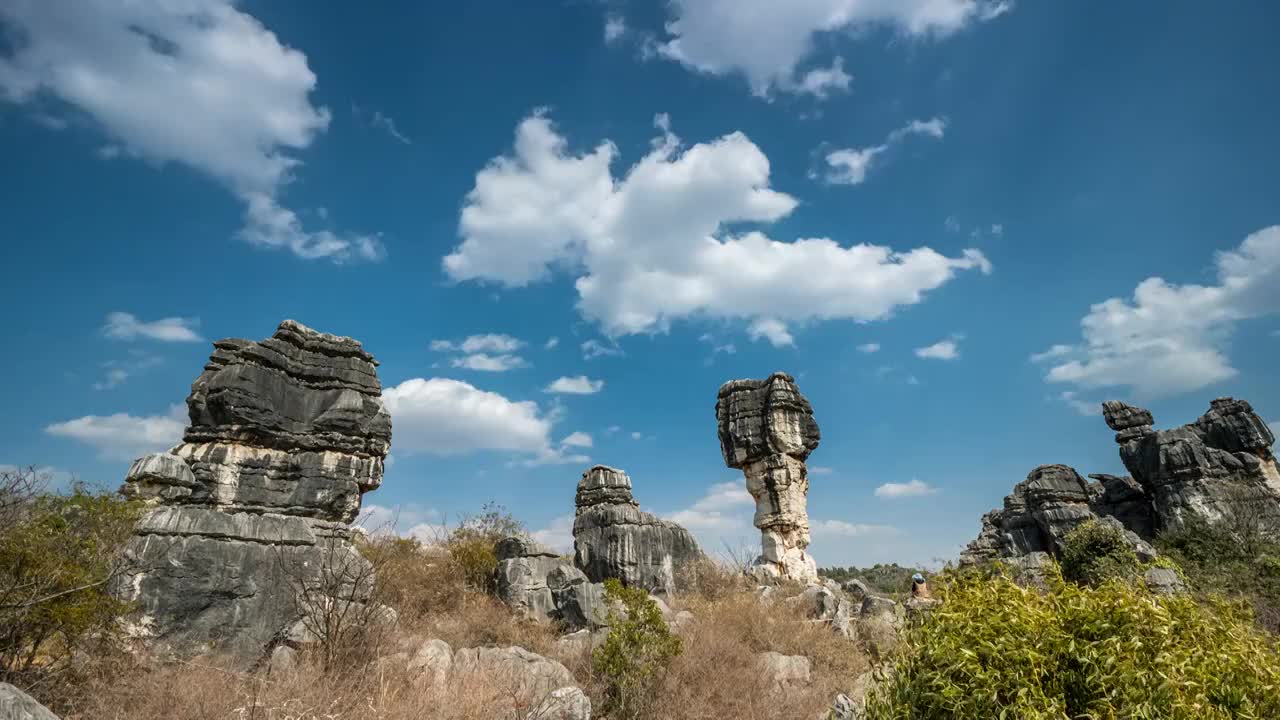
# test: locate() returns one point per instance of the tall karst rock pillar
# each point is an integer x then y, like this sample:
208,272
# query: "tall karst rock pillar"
286,435
767,431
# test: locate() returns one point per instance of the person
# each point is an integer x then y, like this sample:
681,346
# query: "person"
919,588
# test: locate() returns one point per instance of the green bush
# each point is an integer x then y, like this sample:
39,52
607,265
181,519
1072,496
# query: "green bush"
1095,552
1213,558
58,554
994,649
637,651
473,545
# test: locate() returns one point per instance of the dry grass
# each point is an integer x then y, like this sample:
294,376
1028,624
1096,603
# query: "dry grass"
717,675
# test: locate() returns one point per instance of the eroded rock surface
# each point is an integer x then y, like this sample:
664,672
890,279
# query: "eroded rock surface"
1217,466
535,581
17,705
614,538
286,435
767,431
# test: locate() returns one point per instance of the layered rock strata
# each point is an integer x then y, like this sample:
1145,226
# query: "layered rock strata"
614,538
534,581
255,505
1216,468
767,431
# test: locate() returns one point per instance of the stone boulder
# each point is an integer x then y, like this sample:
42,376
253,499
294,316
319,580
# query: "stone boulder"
784,671
536,582
1164,581
527,676
567,703
17,705
767,431
286,435
614,538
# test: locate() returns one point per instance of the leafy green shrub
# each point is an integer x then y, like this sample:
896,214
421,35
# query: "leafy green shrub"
58,555
636,652
1213,558
994,649
473,544
1095,552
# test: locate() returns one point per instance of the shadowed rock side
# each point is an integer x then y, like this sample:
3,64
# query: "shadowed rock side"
1218,465
767,430
286,435
614,538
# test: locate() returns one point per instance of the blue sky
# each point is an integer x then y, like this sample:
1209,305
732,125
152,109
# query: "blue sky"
560,226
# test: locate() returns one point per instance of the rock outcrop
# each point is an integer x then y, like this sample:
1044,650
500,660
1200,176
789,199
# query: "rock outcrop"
614,538
536,582
767,431
1216,467
1220,464
255,504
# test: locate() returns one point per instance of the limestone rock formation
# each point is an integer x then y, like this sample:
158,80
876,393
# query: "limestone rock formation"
286,435
1209,469
1043,509
614,538
536,582
1218,466
567,703
767,430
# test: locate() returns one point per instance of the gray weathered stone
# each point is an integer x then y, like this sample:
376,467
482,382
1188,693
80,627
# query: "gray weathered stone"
286,434
1163,581
614,538
566,703
528,676
432,662
523,568
767,430
17,705
784,671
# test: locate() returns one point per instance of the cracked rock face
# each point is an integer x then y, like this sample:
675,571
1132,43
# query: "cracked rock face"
1220,464
767,431
286,435
614,538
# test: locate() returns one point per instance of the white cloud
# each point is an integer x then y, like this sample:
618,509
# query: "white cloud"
951,224
1083,407
577,385
820,470
196,82
594,348
489,342
820,82
941,350
612,429
869,348
842,528
651,247
577,439
725,505
914,488
772,330
125,437
997,229
380,121
441,416
558,535
1172,338
408,520
636,435
488,363
114,378
551,343
766,41
614,28
849,166
125,326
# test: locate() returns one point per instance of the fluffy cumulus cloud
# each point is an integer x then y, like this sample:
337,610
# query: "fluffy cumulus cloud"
1171,338
651,246
558,534
869,348
849,166
441,416
576,385
942,350
126,326
913,488
767,42
195,82
123,436
843,528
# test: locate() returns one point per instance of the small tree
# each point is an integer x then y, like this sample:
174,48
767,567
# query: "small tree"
1095,552
473,544
58,557
636,652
